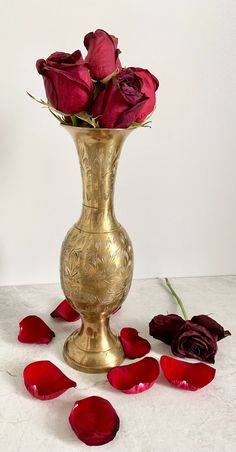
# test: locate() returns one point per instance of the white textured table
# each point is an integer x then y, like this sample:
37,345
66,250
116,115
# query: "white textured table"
163,419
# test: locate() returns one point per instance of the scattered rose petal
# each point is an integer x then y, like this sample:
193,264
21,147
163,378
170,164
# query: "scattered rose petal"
164,327
134,346
45,381
94,421
211,325
116,310
65,311
135,377
190,376
34,330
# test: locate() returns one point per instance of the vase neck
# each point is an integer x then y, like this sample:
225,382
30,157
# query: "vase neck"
99,151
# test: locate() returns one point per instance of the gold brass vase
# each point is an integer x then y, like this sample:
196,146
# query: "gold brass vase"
96,254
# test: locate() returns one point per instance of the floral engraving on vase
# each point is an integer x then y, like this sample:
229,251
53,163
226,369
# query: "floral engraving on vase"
96,271
98,168
97,255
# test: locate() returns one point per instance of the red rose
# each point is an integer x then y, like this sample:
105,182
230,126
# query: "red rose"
196,338
164,327
212,326
121,101
68,85
150,86
102,57
194,341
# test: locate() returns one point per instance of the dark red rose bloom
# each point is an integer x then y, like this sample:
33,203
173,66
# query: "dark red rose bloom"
121,101
102,57
212,326
68,85
195,338
194,341
164,327
149,88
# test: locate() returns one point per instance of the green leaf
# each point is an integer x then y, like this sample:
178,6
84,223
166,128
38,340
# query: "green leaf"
59,115
135,125
74,120
145,123
86,117
40,101
59,118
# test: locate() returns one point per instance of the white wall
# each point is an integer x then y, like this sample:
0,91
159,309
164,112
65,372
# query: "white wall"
176,184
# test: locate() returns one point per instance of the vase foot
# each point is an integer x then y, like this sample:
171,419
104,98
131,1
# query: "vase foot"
91,361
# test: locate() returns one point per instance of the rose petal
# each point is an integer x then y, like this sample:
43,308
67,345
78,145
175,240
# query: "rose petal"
136,377
190,376
213,326
116,310
45,381
34,330
65,311
134,346
94,421
164,327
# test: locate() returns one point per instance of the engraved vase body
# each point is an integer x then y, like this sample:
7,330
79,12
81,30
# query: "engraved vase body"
96,255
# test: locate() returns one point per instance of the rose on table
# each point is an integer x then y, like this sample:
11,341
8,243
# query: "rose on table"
196,338
45,381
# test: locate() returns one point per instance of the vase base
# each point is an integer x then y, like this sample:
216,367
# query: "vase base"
92,361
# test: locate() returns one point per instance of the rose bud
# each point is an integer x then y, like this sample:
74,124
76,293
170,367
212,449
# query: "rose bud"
211,325
121,101
164,327
102,57
150,86
68,85
194,341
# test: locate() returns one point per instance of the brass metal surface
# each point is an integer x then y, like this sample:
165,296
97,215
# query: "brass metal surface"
96,255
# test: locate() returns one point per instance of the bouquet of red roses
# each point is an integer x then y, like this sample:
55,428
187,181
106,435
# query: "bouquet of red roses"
97,91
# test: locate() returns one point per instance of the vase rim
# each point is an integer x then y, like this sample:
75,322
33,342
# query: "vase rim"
97,128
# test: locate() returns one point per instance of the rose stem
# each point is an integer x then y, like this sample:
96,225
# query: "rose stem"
179,301
74,120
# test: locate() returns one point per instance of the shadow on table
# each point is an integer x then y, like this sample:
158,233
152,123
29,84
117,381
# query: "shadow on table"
15,306
57,423
54,418
159,347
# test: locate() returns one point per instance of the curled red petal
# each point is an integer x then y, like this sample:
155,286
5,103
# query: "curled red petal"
116,310
44,381
184,375
34,330
164,327
94,421
134,346
135,377
65,311
212,326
